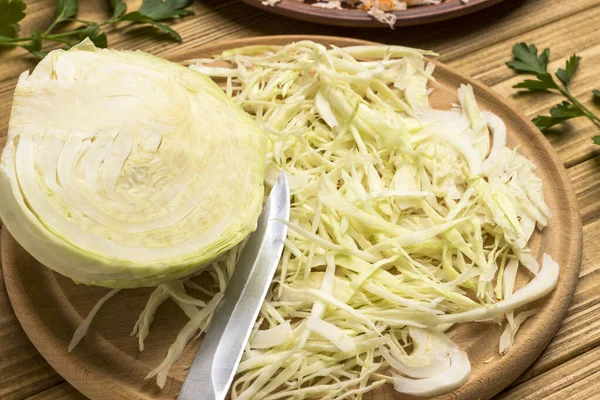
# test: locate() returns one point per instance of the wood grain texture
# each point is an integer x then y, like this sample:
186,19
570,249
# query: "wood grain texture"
477,45
357,18
64,391
50,306
576,379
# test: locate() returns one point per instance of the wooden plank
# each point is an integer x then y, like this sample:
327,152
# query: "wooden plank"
488,65
578,378
64,391
585,179
508,21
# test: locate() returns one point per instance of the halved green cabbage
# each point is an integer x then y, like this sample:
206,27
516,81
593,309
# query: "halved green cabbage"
124,170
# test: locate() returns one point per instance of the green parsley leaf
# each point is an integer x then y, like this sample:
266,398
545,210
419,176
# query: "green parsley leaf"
566,74
167,30
9,31
558,114
544,122
159,10
544,82
35,45
526,59
136,16
39,53
65,10
119,7
96,35
11,12
566,110
153,11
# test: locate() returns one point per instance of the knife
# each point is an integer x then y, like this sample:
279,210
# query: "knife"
221,349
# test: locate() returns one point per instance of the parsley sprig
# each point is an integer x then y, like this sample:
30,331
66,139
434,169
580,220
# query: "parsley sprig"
527,61
151,13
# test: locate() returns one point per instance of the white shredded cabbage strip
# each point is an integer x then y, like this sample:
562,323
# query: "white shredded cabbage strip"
405,220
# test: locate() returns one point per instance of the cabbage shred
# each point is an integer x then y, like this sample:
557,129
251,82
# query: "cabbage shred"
404,221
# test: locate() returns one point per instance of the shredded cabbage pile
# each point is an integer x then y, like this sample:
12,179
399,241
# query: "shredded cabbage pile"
405,221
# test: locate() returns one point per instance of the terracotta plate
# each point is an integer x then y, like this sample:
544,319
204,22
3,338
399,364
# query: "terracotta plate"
108,365
358,18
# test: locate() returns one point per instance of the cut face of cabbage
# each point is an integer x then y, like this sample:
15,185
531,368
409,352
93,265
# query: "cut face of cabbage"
125,170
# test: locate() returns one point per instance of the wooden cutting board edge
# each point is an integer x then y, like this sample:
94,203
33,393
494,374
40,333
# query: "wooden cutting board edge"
79,376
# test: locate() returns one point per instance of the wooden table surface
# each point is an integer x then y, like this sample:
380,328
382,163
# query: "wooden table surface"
478,45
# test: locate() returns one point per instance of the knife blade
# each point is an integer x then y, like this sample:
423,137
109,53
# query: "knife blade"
216,362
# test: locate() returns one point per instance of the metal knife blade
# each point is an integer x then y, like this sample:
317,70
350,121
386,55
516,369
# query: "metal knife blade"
220,352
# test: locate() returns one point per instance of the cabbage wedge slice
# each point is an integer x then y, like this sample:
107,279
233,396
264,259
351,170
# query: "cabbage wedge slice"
125,170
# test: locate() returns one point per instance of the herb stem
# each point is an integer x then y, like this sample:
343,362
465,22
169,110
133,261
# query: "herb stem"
10,44
59,40
59,35
50,28
83,21
588,113
15,40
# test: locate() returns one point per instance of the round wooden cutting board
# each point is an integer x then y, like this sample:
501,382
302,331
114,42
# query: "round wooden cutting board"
108,365
303,10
